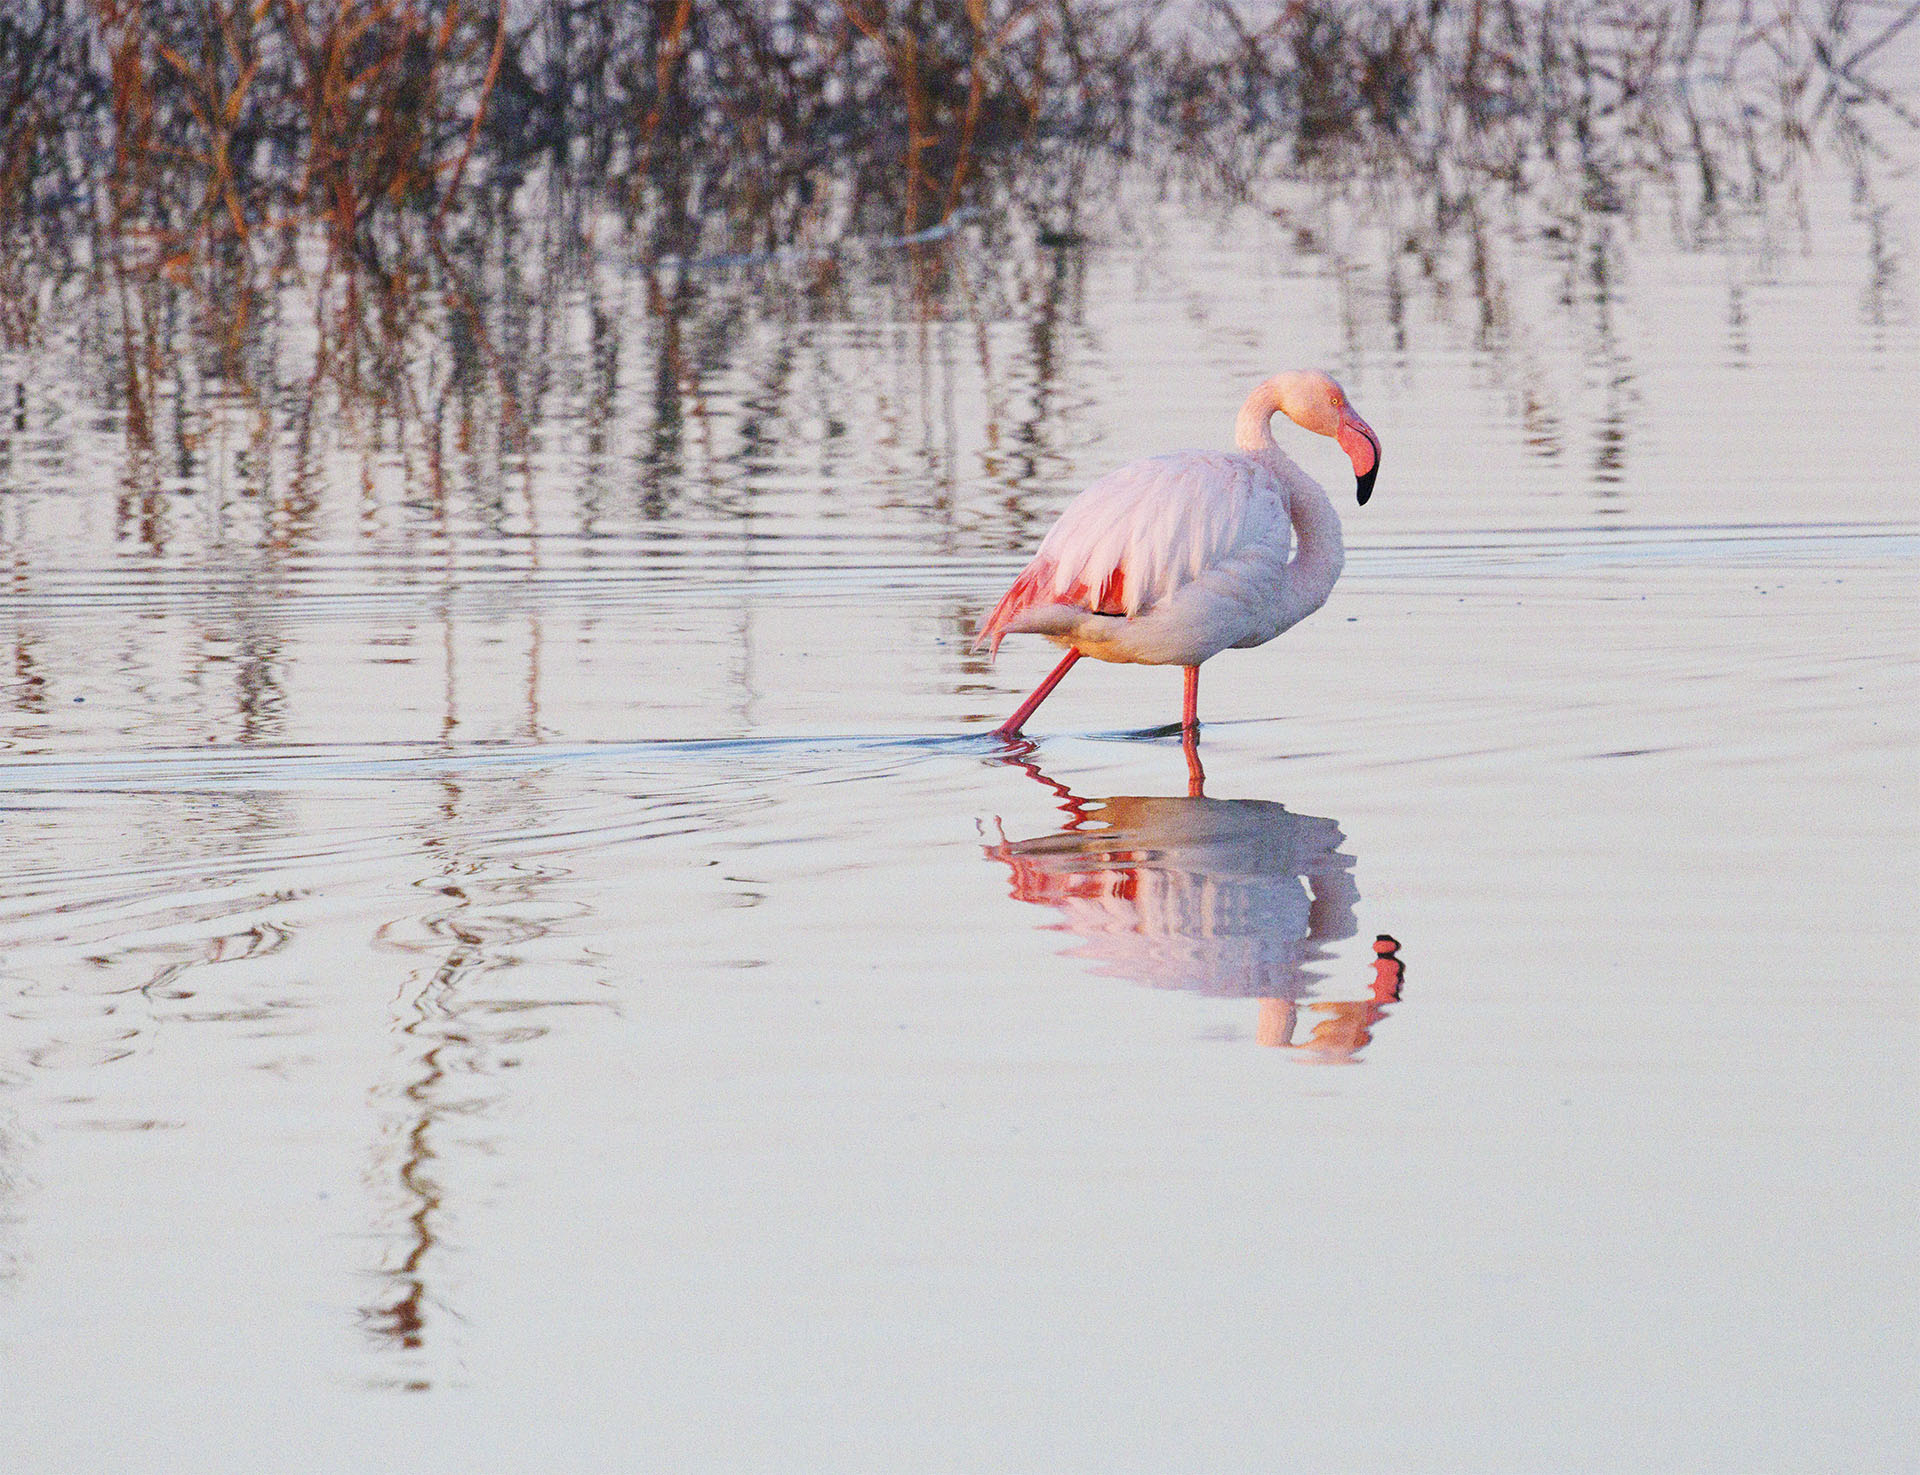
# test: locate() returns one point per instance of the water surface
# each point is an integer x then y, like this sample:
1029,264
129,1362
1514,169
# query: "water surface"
518,953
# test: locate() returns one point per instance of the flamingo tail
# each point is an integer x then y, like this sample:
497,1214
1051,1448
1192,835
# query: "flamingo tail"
1033,607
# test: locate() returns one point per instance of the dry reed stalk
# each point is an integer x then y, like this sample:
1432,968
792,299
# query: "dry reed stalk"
672,49
479,112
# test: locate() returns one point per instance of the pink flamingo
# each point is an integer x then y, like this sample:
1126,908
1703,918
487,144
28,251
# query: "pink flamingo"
1173,559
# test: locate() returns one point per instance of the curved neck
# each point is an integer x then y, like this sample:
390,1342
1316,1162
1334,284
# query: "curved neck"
1319,552
1252,431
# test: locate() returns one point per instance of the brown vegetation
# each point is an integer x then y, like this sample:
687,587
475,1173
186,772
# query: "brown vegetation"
199,152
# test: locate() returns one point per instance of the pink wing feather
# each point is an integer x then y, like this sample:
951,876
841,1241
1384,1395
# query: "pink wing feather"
1142,533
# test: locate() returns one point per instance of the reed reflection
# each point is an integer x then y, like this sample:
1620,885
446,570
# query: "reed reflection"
1236,898
491,956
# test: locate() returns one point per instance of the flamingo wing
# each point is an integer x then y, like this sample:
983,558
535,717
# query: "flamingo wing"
1140,534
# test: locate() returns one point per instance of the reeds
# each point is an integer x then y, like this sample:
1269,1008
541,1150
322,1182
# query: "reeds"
49,97
724,124
208,147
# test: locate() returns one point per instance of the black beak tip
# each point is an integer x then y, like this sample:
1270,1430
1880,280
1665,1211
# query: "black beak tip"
1363,489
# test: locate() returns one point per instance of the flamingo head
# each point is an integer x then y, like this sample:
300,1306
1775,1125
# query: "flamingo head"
1313,401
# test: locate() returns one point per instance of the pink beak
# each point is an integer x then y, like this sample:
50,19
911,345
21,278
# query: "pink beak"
1362,446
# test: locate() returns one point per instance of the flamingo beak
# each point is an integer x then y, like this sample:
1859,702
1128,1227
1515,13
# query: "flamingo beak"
1362,446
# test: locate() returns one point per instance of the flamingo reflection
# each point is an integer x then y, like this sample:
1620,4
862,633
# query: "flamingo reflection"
1238,898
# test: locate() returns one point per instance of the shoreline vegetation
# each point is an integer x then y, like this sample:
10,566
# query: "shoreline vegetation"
180,168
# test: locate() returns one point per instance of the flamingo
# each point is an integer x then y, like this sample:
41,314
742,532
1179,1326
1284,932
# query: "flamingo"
1173,559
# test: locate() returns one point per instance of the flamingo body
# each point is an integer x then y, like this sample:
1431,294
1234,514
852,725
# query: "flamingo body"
1173,559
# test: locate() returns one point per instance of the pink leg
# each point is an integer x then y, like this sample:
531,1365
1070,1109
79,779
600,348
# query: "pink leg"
1011,727
1190,736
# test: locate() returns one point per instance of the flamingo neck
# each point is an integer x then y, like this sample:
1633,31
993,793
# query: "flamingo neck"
1319,552
1252,432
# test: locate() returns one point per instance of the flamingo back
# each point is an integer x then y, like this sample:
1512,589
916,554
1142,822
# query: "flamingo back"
1140,534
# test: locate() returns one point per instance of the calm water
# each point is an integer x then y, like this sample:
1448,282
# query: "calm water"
517,953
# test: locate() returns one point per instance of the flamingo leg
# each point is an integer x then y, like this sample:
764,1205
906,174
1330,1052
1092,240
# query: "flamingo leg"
1011,727
1190,736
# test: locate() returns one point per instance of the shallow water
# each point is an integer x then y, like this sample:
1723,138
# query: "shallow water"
527,959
